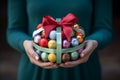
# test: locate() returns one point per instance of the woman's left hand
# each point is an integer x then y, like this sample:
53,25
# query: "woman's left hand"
91,45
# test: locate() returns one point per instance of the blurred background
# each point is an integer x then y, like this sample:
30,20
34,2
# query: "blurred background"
109,57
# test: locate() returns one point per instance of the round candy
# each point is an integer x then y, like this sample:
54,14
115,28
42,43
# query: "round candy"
43,33
52,44
65,57
36,32
80,34
44,56
80,38
66,44
52,34
38,52
39,26
74,42
52,57
43,42
37,38
74,55
76,26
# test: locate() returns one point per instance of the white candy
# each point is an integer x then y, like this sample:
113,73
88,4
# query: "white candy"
37,38
37,31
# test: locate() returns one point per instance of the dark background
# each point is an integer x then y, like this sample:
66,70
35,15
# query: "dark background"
109,57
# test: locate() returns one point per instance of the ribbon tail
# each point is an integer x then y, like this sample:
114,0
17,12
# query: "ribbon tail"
67,31
48,24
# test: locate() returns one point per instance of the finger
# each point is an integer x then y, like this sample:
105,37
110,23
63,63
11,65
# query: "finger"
87,49
51,67
65,66
33,54
70,64
77,62
40,63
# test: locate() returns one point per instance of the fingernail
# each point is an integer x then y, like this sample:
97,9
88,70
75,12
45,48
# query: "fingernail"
82,54
36,57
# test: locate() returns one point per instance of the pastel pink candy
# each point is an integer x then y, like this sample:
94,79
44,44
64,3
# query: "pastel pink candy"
37,38
66,44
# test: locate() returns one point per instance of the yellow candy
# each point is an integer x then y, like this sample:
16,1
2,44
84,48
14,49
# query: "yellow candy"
52,44
52,57
80,38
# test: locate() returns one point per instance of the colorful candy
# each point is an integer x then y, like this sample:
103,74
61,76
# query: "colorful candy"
44,56
52,34
37,38
65,57
37,32
66,44
76,26
43,34
43,42
74,42
38,52
39,26
52,57
52,44
80,38
74,55
80,34
76,38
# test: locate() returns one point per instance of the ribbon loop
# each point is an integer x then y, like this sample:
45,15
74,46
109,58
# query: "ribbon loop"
66,23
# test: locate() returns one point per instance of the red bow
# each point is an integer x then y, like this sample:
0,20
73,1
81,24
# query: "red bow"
66,23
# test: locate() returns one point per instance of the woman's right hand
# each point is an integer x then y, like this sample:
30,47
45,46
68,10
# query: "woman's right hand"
34,57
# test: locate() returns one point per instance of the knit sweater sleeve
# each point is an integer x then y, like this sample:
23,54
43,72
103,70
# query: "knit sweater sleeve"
17,24
102,24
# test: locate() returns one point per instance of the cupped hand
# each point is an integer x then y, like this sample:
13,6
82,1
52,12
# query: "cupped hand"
34,57
91,45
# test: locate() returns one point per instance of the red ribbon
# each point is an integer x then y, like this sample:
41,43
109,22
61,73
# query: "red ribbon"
66,23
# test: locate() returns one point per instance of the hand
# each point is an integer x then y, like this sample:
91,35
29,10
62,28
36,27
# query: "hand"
84,56
34,57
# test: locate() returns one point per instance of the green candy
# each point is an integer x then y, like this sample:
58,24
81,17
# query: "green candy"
74,55
44,56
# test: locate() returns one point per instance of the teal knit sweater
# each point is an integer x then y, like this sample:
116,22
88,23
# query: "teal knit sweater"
94,16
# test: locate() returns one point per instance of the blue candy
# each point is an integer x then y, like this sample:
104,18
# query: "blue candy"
52,34
74,42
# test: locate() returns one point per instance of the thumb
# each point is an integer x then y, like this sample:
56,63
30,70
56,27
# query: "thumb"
88,48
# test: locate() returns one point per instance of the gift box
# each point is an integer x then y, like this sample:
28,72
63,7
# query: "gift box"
59,40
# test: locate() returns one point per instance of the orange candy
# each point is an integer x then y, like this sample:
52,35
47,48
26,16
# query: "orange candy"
80,38
80,34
